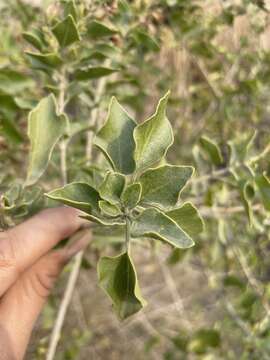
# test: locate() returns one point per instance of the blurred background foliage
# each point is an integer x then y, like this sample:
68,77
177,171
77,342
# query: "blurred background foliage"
208,302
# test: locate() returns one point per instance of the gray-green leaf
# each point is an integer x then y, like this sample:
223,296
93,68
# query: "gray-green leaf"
154,223
109,209
112,187
188,218
44,62
45,127
162,186
115,138
66,31
78,195
132,195
153,137
117,277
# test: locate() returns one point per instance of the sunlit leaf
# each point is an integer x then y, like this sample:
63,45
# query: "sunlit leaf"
78,195
93,72
162,186
112,187
96,29
154,223
45,127
188,218
153,137
66,31
115,138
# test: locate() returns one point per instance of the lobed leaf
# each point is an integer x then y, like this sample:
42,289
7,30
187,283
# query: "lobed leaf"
188,218
117,277
115,138
153,137
78,195
66,31
154,223
162,186
45,127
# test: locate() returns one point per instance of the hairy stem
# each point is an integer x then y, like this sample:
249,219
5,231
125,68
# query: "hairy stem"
127,234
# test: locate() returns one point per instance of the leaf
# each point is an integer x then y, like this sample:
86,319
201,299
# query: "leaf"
153,137
45,127
112,187
9,129
117,277
109,209
247,193
240,147
145,40
70,9
263,183
188,218
35,38
103,220
132,195
212,150
78,195
13,82
115,138
44,62
93,72
66,31
97,29
162,186
154,223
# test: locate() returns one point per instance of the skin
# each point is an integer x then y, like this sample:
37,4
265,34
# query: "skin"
28,270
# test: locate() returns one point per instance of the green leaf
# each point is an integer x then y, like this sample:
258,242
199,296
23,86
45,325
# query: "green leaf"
188,218
9,129
115,138
162,186
66,31
93,72
153,137
132,195
44,62
96,29
240,147
117,277
109,209
145,40
70,9
154,223
35,38
78,195
263,183
246,194
45,127
212,150
112,187
103,220
13,82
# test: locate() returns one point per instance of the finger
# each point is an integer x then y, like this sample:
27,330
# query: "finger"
24,244
21,305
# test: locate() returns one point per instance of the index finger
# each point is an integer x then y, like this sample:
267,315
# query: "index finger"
24,244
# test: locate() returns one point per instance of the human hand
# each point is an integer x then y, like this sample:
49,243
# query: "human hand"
28,270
